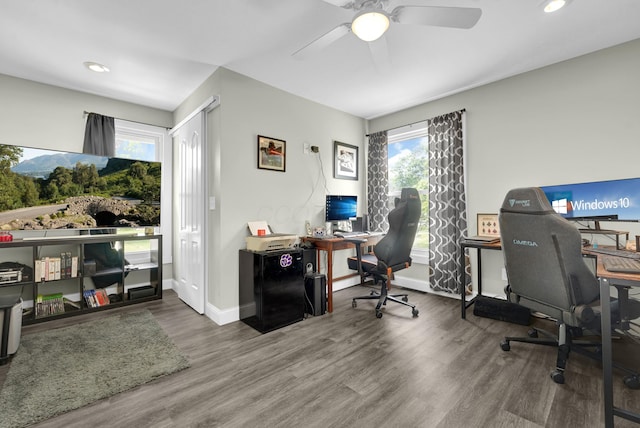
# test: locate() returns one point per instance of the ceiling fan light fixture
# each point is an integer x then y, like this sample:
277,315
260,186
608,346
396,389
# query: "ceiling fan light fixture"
554,5
98,68
370,25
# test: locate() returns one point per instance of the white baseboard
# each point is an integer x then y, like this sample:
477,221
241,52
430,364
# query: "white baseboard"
222,317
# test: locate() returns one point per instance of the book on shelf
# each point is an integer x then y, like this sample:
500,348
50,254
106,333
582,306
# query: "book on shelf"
53,268
96,298
49,304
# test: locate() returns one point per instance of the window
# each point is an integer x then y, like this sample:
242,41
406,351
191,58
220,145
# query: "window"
408,162
150,143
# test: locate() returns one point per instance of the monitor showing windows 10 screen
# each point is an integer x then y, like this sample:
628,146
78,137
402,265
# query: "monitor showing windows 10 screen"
614,200
340,207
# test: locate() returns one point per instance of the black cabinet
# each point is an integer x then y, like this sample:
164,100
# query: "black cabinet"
271,288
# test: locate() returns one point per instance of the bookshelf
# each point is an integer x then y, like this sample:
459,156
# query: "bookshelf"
62,277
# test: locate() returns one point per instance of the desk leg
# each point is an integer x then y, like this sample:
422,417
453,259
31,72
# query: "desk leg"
607,357
463,276
330,280
463,290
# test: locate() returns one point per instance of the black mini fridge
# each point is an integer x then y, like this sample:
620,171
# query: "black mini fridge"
271,288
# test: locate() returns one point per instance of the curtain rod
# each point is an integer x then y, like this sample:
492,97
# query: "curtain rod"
409,124
132,121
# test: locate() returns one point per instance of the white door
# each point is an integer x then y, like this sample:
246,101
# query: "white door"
190,263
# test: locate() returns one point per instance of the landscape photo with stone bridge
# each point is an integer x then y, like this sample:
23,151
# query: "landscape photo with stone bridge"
46,189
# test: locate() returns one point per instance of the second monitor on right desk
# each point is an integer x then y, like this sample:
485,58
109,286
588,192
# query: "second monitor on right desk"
613,200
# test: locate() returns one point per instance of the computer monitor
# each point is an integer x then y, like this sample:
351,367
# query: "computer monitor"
341,207
613,200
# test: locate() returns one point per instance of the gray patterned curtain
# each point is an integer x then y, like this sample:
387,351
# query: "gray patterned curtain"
378,181
100,135
447,201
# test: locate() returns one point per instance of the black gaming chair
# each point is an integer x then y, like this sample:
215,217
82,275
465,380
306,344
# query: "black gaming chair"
392,253
547,273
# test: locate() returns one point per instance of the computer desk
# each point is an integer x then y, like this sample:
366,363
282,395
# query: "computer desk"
607,280
331,244
479,246
620,281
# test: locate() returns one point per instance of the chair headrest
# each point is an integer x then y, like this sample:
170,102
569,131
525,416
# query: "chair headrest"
526,200
409,193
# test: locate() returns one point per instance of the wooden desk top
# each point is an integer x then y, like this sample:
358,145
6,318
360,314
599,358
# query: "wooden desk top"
337,243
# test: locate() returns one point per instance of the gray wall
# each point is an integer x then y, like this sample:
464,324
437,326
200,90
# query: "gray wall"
570,122
43,116
245,193
49,117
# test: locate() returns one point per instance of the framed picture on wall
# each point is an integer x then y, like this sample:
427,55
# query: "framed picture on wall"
272,153
345,161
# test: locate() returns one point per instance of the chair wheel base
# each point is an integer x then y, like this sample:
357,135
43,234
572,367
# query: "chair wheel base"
354,304
632,381
532,333
557,376
415,312
505,345
378,313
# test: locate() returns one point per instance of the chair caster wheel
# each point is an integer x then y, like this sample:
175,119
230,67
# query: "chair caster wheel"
405,299
372,293
632,381
354,304
505,345
557,376
533,333
415,312
378,314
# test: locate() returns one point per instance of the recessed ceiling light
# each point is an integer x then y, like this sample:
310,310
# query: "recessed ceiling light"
553,5
98,68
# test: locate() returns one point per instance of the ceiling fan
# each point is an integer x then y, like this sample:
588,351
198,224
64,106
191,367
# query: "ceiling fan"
372,20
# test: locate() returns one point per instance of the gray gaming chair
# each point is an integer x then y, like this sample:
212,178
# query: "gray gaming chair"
392,253
547,273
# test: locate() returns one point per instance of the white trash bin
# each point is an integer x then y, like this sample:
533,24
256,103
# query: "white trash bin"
12,333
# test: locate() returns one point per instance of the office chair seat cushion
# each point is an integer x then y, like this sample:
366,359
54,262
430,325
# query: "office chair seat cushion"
631,311
369,262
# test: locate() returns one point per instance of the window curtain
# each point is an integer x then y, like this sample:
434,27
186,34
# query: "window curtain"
378,181
447,202
100,135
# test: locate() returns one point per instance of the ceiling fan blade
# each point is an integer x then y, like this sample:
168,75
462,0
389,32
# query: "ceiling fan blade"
456,17
380,54
322,41
347,4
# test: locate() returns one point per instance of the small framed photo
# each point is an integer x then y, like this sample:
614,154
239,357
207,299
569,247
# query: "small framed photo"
345,161
488,225
272,153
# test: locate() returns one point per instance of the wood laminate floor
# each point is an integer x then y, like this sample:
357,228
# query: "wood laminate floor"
350,369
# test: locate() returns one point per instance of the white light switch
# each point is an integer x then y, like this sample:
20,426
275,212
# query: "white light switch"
212,202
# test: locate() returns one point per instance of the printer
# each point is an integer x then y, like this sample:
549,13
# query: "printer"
263,239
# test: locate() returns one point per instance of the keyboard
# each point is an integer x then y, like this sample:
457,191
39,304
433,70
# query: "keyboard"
613,252
350,234
621,264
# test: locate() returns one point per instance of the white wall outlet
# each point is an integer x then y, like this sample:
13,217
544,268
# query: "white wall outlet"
306,148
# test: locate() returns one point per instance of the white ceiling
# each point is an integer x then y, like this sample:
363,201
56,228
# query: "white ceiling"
159,51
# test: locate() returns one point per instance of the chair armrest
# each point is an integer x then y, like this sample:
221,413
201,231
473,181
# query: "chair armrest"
356,241
585,314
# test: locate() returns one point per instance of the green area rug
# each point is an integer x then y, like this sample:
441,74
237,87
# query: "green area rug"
59,370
